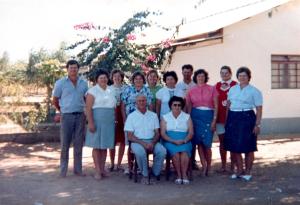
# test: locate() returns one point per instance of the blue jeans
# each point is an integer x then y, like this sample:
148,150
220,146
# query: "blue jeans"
72,128
159,153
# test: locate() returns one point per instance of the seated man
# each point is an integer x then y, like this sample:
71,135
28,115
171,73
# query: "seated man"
142,130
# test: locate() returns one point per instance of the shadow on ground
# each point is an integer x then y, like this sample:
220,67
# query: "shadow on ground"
28,175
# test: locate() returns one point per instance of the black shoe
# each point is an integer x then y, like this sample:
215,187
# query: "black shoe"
195,166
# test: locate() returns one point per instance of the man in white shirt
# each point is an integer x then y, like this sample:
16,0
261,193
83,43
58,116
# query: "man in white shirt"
142,130
186,83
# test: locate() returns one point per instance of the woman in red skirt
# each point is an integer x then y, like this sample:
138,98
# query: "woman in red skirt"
117,77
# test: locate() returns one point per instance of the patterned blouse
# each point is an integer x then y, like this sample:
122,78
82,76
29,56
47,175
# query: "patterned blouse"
129,95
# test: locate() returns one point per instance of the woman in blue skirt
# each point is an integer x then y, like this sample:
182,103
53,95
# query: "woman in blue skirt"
243,124
202,103
177,132
100,110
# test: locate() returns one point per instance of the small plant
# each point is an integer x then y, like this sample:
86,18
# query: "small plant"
30,120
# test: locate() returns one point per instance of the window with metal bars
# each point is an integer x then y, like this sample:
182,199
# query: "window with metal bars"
285,71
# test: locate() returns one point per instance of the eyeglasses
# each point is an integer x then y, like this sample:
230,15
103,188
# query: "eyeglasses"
177,105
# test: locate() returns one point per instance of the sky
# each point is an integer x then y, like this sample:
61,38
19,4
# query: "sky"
33,24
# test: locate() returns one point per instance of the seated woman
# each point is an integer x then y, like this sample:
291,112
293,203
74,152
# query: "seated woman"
177,132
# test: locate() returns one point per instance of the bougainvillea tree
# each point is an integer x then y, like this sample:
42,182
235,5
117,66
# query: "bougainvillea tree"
118,47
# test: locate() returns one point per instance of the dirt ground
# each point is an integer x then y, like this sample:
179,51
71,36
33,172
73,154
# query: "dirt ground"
29,175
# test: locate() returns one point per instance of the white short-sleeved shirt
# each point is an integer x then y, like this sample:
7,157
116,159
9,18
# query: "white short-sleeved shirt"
164,94
179,124
247,98
185,87
103,98
142,125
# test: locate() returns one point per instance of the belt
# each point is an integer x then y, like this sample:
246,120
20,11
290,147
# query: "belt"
240,110
204,108
74,113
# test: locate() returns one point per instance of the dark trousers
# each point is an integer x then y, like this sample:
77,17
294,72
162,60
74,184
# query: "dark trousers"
72,129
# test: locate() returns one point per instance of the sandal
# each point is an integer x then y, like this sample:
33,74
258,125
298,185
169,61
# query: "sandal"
105,174
120,168
185,181
98,176
222,171
145,180
111,169
178,181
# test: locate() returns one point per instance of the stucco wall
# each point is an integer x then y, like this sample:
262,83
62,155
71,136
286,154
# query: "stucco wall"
251,43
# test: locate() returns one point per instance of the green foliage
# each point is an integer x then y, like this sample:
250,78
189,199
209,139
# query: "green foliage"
34,117
118,49
43,56
30,120
11,83
48,71
44,68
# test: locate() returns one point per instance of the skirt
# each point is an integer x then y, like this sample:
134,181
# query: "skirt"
202,122
104,136
119,129
173,148
239,136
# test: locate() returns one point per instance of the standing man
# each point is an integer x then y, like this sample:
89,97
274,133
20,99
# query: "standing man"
69,100
186,83
184,86
142,128
223,88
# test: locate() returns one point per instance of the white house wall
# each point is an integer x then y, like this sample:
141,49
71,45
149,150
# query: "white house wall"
250,43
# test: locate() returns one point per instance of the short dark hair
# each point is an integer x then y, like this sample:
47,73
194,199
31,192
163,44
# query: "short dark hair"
244,70
187,66
72,62
176,99
152,71
135,74
114,71
170,73
226,67
198,72
101,71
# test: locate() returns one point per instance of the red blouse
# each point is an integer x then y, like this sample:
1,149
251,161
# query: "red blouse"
223,88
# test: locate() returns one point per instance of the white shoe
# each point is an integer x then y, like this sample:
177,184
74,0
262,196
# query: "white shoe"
247,177
234,176
178,181
126,171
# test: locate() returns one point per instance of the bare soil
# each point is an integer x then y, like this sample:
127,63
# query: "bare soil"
29,175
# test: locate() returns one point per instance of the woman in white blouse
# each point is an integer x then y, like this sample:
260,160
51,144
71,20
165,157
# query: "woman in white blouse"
100,111
164,94
243,124
177,132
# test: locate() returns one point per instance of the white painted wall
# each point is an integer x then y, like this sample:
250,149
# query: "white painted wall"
250,43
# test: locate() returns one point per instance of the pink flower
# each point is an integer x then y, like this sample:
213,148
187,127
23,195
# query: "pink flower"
131,37
145,68
105,39
166,43
85,26
151,57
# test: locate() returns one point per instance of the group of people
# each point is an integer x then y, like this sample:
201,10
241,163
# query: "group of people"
174,119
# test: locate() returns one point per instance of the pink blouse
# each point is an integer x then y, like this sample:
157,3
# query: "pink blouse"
202,96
